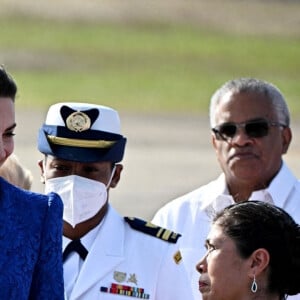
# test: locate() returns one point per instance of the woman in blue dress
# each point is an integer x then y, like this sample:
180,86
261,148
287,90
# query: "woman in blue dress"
31,224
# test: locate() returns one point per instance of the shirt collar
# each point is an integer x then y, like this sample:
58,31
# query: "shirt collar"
281,186
277,192
279,189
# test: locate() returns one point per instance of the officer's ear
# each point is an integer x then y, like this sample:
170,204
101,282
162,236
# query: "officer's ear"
41,165
117,175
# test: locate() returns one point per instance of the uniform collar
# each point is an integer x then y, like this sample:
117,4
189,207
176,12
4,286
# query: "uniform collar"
88,239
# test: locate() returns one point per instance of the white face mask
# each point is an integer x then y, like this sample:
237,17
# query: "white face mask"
82,197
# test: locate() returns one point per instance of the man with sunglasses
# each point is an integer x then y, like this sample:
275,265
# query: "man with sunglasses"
250,124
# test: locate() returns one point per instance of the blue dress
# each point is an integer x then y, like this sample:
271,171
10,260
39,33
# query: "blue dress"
30,245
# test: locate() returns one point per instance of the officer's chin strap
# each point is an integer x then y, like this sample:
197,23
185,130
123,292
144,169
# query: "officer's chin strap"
111,176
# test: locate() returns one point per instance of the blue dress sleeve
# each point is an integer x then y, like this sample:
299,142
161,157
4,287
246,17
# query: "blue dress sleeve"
47,281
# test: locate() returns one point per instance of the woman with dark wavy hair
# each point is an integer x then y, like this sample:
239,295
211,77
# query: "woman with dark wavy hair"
253,252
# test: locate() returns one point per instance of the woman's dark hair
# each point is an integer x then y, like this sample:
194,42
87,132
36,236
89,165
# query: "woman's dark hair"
256,224
8,87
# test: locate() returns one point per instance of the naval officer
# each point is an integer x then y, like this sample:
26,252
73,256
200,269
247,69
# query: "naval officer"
106,256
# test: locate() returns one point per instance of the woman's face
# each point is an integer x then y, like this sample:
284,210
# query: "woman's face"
7,127
224,274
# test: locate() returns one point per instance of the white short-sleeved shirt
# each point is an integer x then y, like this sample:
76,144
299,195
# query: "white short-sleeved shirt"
192,213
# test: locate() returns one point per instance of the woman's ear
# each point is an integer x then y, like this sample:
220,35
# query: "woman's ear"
117,175
259,261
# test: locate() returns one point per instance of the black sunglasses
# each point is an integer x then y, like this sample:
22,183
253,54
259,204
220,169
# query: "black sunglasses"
254,129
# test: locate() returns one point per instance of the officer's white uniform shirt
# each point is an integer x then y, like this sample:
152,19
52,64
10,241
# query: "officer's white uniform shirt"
192,214
73,263
122,255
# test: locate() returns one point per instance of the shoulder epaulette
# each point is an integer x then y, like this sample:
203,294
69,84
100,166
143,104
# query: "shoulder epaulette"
154,230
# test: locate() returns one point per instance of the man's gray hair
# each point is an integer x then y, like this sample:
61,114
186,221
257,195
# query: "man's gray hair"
254,85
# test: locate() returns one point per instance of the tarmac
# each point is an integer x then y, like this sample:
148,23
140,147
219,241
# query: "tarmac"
166,156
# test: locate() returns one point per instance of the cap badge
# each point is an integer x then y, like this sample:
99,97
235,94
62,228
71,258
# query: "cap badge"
78,121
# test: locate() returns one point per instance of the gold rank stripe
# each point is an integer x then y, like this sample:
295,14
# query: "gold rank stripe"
159,233
164,234
80,143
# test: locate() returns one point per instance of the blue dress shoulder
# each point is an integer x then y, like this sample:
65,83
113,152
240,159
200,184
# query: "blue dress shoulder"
30,245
